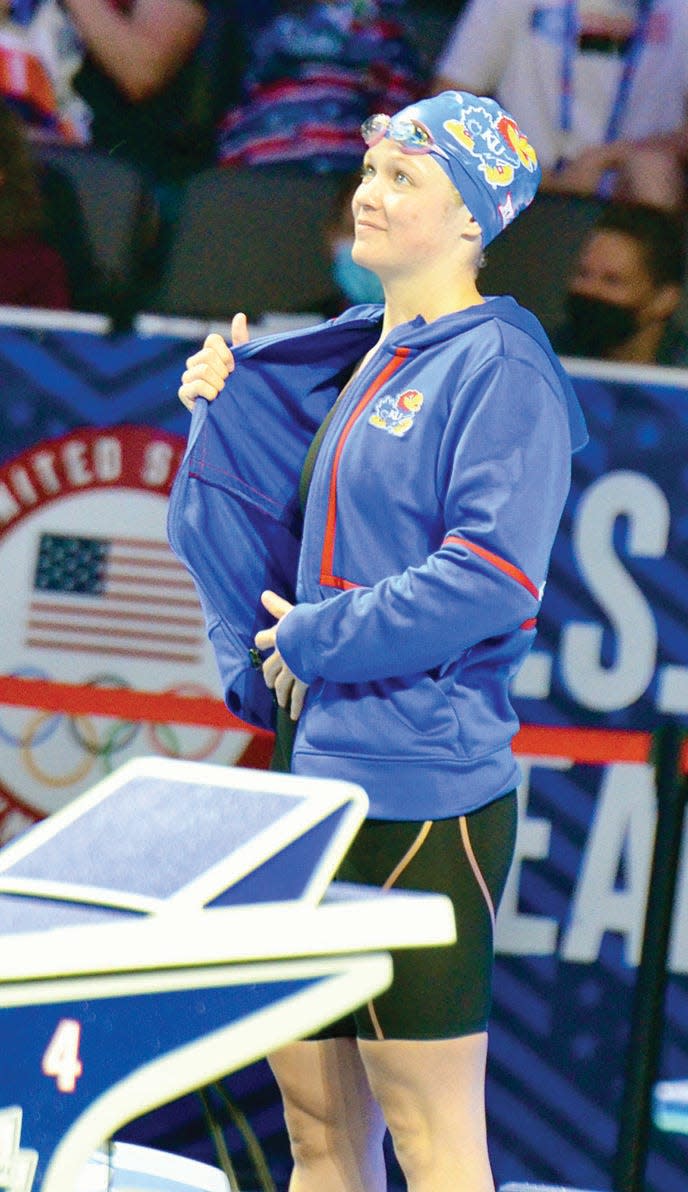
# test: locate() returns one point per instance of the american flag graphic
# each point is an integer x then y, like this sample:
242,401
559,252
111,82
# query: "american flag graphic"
126,597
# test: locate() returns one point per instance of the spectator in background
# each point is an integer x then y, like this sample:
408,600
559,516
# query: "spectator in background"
67,230
318,70
351,282
156,74
626,288
32,272
38,59
601,86
153,77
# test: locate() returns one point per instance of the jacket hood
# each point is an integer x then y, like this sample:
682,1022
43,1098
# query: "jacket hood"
417,335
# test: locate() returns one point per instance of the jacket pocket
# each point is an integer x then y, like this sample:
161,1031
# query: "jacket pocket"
390,719
476,689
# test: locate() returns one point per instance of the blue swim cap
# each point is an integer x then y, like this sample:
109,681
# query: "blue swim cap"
484,153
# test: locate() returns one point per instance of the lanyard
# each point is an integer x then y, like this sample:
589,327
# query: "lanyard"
631,58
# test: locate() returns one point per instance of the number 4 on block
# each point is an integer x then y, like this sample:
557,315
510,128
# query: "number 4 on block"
61,1058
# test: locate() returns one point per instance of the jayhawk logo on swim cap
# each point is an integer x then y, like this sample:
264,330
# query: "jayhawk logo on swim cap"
397,414
485,154
499,147
520,144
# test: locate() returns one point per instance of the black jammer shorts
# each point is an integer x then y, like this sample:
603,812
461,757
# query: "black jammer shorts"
440,992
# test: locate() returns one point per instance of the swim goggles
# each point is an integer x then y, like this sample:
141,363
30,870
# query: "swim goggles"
410,135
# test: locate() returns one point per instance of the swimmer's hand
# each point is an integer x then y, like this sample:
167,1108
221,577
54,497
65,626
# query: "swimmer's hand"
206,371
290,692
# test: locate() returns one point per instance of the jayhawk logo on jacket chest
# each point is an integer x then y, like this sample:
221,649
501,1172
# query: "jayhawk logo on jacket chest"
396,414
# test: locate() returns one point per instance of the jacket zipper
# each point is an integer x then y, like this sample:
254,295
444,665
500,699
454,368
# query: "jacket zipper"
327,576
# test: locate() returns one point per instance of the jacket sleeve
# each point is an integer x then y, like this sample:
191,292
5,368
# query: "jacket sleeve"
503,472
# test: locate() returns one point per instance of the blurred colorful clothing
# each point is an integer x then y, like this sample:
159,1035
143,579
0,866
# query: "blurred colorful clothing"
314,79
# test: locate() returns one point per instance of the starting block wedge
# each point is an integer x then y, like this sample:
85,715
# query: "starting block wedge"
541,1188
176,922
126,1167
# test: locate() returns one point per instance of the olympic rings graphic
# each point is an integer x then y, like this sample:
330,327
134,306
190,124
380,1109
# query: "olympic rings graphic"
214,736
102,746
79,772
51,722
120,736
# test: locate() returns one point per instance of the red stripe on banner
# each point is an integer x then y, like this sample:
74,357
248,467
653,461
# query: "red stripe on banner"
587,746
156,707
158,564
258,753
597,746
119,614
150,655
130,579
163,639
147,599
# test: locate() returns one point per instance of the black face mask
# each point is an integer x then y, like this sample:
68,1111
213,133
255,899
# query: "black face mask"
595,327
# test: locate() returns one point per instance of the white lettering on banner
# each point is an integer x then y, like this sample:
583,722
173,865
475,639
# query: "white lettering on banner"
75,465
9,507
672,690
517,933
157,464
612,884
99,461
120,455
107,459
23,487
642,502
534,679
43,463
619,850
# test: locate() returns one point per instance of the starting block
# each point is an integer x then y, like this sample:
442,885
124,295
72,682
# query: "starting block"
670,1106
540,1188
124,1167
174,923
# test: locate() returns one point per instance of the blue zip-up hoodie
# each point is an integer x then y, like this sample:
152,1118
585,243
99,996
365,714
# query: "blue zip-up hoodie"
419,568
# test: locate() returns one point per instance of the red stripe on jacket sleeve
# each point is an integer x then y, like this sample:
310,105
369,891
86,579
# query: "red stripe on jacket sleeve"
497,561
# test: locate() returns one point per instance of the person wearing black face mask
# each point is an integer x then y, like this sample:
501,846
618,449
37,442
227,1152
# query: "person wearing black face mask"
627,282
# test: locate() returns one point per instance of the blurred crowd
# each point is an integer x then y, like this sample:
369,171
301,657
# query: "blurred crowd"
177,87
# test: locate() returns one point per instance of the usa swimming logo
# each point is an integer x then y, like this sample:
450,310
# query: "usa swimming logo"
396,414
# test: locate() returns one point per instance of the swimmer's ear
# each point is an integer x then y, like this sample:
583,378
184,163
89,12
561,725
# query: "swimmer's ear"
473,229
